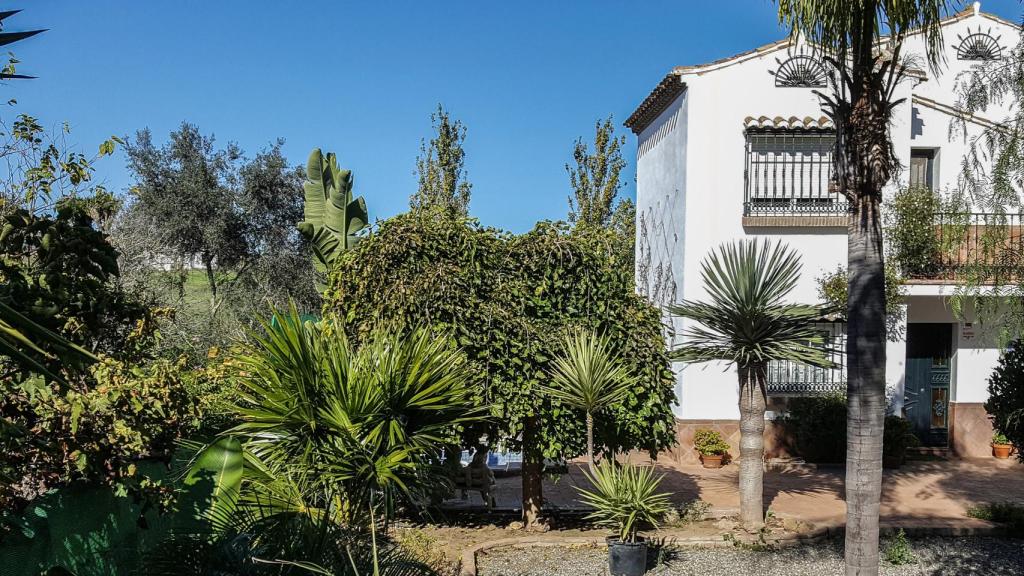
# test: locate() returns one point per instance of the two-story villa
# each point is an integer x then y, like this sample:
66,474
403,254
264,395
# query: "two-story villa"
739,148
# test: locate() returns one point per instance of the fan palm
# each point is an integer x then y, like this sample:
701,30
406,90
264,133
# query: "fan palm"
867,67
338,433
748,324
588,375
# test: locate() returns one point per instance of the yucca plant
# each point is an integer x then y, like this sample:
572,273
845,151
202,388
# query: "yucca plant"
624,497
587,374
748,323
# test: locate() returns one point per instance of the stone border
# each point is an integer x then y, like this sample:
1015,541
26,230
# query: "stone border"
468,565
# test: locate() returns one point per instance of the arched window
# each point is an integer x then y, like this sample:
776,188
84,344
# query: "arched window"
978,46
800,71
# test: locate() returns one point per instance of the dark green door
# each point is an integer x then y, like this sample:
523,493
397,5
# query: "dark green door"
926,387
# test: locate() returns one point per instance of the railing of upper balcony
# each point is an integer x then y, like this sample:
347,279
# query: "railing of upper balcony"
988,247
787,174
792,379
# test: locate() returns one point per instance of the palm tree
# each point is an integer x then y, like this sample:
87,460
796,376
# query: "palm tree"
335,433
866,69
748,324
589,376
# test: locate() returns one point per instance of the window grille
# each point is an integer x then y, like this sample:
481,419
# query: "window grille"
785,378
787,173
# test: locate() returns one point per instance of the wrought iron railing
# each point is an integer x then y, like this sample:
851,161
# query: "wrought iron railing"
792,379
985,246
787,173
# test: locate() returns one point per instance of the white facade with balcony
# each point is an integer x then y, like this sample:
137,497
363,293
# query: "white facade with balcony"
739,148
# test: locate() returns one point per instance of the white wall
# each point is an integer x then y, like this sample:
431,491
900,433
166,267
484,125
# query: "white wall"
691,196
661,208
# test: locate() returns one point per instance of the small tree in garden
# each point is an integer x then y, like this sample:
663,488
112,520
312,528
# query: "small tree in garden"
588,375
1005,402
440,167
508,300
748,324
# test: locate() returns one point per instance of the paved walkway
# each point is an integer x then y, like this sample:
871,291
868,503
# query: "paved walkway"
919,492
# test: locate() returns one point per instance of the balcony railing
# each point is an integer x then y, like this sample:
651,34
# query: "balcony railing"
988,247
785,378
787,174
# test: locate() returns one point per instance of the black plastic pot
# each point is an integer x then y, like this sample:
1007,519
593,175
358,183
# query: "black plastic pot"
627,558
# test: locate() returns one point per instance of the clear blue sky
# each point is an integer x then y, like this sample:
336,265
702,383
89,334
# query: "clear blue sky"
361,79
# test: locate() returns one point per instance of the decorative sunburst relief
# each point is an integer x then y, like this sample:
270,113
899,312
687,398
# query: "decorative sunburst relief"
978,46
799,71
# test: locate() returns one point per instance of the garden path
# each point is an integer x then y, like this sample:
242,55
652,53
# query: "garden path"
920,492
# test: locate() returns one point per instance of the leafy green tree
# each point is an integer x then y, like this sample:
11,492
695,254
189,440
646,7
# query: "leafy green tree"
595,177
860,104
441,168
208,223
587,375
507,300
748,324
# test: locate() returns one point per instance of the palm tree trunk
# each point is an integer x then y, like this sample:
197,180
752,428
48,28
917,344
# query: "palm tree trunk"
590,441
865,353
752,407
533,470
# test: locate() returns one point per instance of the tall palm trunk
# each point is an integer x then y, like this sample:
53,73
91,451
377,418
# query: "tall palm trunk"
865,392
752,406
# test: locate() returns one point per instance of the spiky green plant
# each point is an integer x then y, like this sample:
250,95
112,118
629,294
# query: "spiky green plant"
747,323
625,497
587,374
335,434
332,219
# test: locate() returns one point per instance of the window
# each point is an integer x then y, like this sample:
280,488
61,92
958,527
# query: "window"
792,379
787,173
922,168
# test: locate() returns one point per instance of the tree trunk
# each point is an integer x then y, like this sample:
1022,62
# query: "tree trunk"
590,441
865,386
211,279
752,407
533,470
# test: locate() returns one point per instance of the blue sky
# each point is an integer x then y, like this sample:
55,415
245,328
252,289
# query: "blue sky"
361,79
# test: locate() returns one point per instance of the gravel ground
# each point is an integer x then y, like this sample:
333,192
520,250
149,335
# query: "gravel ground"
934,557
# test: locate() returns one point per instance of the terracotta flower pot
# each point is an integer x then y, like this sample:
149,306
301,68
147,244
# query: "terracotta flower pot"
711,460
1002,450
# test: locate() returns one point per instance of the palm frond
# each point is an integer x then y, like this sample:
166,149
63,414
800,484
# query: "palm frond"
747,320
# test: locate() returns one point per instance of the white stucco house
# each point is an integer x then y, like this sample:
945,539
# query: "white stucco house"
739,148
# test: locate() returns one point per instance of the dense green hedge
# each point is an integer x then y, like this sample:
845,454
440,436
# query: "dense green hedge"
508,300
817,428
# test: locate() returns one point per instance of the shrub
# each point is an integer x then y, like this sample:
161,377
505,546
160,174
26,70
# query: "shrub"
897,551
1007,513
896,438
710,443
624,497
1006,397
817,425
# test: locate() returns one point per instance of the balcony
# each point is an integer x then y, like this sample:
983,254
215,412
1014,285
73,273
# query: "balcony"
980,247
786,180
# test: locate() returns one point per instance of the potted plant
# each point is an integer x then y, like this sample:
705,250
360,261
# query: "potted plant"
712,447
1001,447
625,497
